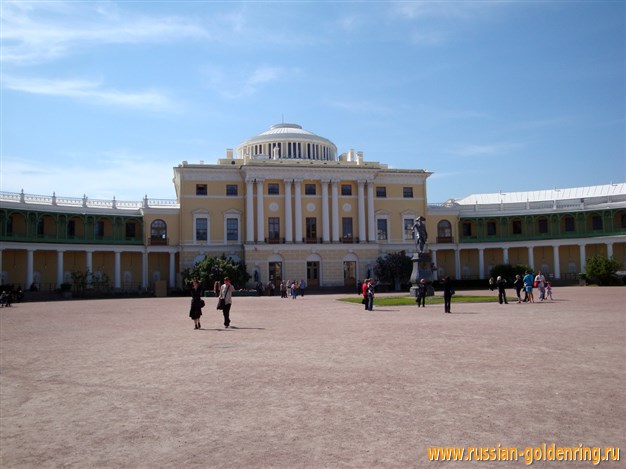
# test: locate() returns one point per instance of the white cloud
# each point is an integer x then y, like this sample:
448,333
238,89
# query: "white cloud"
92,92
36,32
229,87
494,149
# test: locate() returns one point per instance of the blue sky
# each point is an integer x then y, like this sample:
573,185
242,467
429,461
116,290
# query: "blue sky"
104,98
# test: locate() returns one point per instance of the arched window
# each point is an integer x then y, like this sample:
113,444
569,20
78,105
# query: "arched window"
158,232
444,232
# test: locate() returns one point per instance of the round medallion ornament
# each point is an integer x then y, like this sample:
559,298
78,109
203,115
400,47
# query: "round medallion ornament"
273,207
310,207
347,207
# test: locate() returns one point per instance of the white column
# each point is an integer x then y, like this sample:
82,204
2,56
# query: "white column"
298,212
144,270
457,263
531,258
371,222
433,255
325,218
583,257
361,207
59,267
250,210
505,255
89,266
288,220
29,267
557,261
260,220
481,263
117,283
609,250
172,269
335,211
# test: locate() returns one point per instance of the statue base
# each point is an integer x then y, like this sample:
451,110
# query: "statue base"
422,269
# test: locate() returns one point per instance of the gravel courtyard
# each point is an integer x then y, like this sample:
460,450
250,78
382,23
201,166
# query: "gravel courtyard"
308,383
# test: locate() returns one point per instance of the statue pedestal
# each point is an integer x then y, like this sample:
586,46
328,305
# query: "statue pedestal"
422,269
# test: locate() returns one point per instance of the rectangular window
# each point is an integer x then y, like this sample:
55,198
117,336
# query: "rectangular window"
202,229
542,225
201,189
381,229
596,222
71,228
467,229
232,229
346,225
517,227
309,189
273,189
491,228
407,192
408,225
40,227
99,229
131,230
231,189
381,191
346,189
311,230
273,225
569,224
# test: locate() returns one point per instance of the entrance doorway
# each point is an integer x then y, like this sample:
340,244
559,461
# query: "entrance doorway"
276,273
313,274
349,273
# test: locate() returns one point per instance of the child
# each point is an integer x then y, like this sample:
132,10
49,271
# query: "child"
548,290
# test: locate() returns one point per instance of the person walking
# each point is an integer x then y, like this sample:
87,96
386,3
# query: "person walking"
541,286
421,293
302,287
196,303
283,289
294,290
226,293
528,286
364,292
501,284
216,288
548,291
448,291
518,284
370,295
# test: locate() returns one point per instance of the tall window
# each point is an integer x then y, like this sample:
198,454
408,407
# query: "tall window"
542,225
273,189
99,229
381,191
346,225
231,189
444,232
201,189
569,224
202,229
40,227
158,230
311,230
407,192
407,224
467,228
381,229
309,189
10,226
346,189
596,222
491,228
232,229
517,227
71,228
131,230
273,224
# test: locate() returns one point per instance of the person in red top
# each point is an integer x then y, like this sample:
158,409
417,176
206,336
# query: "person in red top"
364,291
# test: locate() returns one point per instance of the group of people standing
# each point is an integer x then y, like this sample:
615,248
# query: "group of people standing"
525,284
224,292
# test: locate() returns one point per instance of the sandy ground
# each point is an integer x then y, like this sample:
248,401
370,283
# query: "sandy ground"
308,383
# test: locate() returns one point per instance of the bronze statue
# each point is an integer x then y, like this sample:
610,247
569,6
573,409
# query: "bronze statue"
419,232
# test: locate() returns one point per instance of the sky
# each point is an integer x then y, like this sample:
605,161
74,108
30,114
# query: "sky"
104,98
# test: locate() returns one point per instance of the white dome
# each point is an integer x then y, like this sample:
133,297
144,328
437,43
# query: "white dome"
287,141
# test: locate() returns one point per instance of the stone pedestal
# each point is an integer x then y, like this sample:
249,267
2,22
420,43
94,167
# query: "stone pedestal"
422,269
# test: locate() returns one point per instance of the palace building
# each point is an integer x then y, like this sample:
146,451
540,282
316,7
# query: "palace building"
292,208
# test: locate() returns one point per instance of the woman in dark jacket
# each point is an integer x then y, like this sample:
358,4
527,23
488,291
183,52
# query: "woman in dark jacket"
448,291
196,303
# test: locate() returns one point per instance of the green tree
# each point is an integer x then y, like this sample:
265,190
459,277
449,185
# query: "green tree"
211,269
509,271
394,268
602,270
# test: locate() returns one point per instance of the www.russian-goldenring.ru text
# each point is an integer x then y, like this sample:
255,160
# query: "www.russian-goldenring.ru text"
530,454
